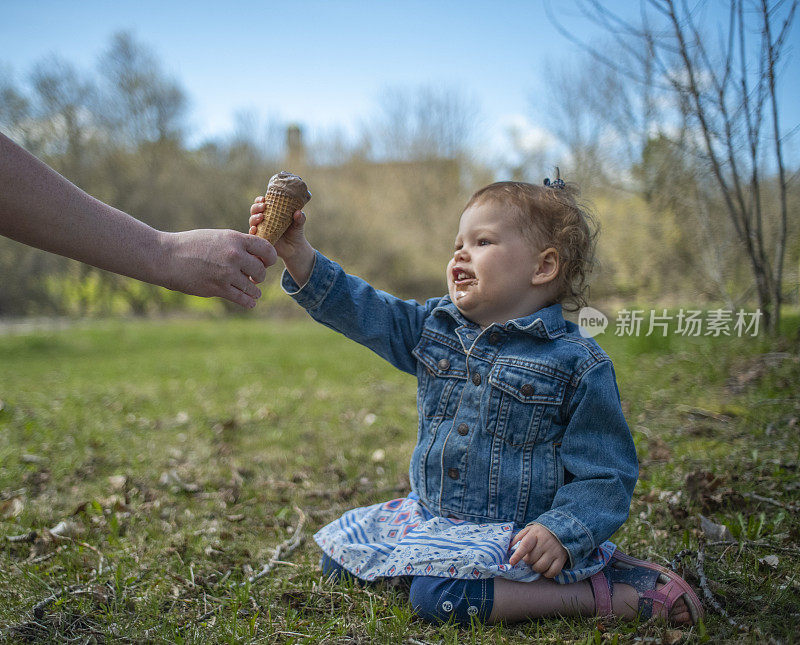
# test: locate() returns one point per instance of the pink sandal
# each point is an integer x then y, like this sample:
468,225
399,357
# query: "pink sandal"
644,576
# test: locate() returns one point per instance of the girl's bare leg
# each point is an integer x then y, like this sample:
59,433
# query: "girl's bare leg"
517,601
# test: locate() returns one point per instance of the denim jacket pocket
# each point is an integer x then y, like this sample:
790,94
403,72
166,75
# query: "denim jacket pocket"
522,403
442,371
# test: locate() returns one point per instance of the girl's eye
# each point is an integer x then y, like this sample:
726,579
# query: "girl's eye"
483,242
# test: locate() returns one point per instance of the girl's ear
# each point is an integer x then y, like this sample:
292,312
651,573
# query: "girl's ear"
547,267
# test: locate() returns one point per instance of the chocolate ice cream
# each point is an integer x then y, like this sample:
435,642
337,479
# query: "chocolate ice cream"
291,184
286,193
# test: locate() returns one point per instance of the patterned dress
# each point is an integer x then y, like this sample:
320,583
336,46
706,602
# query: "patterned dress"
403,538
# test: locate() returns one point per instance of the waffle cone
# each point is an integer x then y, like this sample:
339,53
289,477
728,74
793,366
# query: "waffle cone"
279,209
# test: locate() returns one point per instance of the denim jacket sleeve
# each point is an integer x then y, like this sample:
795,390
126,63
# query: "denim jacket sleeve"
387,325
597,450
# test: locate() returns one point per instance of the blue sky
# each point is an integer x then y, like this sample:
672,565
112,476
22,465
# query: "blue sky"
333,58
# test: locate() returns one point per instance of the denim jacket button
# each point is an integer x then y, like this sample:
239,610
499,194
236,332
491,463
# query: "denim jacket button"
463,429
527,389
444,364
494,338
476,378
453,473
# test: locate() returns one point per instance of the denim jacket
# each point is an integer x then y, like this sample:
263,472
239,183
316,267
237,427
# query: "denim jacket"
518,422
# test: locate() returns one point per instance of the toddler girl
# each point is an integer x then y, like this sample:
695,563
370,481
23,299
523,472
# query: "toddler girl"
524,465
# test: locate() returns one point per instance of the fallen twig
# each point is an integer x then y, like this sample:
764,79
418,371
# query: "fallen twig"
73,590
755,543
283,549
704,414
86,545
760,498
30,536
710,597
44,557
293,634
680,556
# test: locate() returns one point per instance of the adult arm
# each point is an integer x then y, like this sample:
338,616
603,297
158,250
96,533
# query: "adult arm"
41,208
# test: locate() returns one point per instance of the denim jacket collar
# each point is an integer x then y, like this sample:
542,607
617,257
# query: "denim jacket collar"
547,323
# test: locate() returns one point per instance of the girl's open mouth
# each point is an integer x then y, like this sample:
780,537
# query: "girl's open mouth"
462,278
462,281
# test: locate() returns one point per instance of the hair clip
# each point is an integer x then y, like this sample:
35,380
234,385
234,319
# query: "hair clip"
557,182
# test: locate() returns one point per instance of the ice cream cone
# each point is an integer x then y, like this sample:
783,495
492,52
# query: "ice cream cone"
286,193
279,208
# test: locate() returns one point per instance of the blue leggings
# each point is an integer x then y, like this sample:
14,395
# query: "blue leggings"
437,600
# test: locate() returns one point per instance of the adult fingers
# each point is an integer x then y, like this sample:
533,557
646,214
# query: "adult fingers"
254,268
242,282
238,297
260,248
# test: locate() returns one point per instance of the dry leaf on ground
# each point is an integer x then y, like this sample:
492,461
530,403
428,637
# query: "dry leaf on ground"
11,508
714,531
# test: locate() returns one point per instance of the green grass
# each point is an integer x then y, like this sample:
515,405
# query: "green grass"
179,450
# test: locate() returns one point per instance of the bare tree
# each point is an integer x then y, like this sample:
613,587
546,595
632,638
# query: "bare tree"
145,105
15,110
726,98
422,123
63,101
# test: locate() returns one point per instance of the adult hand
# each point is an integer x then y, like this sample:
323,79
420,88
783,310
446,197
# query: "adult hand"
212,262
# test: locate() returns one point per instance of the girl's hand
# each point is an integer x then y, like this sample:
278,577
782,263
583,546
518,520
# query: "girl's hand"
540,549
293,247
292,240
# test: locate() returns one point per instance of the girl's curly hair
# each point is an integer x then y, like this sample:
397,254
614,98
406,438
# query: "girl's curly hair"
553,216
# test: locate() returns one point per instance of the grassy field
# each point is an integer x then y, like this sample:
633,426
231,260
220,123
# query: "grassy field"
147,468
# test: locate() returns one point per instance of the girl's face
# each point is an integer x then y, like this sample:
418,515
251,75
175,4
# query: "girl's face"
495,274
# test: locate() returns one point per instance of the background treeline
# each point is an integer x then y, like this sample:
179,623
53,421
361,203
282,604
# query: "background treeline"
386,201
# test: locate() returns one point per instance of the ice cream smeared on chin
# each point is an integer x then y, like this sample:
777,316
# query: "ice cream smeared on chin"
463,280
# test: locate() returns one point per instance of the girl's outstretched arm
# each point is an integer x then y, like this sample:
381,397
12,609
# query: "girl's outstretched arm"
389,326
